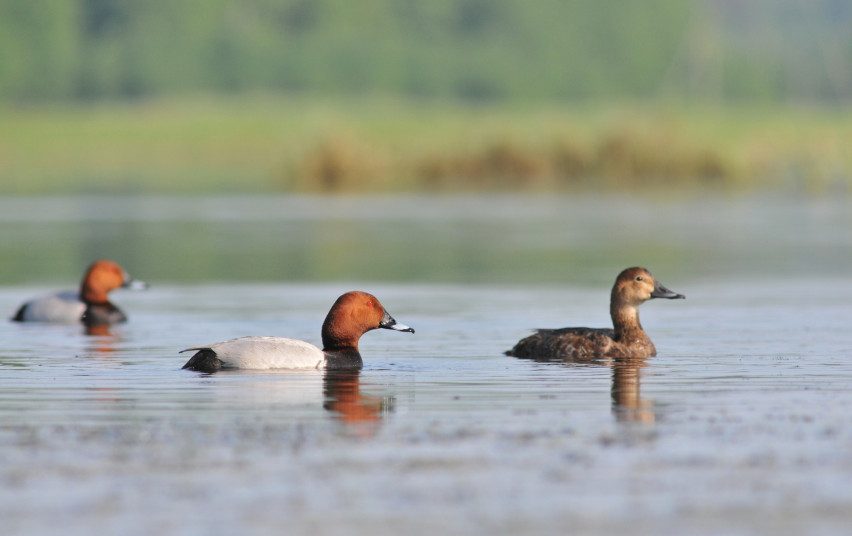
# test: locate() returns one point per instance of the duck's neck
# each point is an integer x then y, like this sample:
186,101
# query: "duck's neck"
341,353
91,295
328,346
625,320
340,342
343,359
334,342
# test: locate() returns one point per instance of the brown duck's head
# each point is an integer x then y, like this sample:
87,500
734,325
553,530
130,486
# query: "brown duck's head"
636,285
104,276
352,315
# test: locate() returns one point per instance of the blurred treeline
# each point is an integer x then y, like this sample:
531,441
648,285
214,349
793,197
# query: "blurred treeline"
424,95
461,50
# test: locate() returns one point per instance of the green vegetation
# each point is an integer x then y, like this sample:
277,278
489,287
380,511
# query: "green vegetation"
466,50
408,95
273,144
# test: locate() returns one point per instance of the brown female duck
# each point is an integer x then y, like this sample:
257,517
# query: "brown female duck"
632,288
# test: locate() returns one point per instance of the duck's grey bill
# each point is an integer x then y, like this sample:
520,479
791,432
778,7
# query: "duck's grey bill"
388,322
135,284
400,327
662,292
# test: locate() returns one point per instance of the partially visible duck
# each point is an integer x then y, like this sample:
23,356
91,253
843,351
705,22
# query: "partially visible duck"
90,305
352,315
633,287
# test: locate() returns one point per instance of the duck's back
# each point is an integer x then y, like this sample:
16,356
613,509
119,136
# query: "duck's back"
568,343
259,353
61,307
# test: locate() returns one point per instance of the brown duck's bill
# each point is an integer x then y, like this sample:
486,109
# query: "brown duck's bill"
662,292
388,322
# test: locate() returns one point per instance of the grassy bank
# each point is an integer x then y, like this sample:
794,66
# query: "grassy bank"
264,144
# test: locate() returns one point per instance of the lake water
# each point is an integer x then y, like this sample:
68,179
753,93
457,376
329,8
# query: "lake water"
740,425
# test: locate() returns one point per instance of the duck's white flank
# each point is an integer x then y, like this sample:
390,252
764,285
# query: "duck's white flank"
261,353
59,307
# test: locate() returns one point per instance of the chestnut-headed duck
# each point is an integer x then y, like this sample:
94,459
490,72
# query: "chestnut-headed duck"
633,287
352,315
90,305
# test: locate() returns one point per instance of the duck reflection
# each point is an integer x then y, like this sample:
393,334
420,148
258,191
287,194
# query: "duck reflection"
97,330
344,399
627,402
103,341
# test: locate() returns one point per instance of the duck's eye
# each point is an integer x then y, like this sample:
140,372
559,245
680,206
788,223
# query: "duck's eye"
639,278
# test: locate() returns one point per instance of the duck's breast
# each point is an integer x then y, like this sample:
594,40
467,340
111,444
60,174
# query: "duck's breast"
268,353
64,307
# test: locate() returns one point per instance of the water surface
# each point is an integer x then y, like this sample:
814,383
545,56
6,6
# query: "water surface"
740,425
495,239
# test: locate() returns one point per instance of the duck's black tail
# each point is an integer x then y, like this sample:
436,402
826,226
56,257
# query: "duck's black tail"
204,360
19,316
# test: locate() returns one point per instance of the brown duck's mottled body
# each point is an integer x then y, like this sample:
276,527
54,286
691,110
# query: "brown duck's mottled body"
627,339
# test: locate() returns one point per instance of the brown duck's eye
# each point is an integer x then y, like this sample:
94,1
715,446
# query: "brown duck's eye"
639,278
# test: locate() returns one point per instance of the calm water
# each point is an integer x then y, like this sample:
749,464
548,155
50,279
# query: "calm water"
740,425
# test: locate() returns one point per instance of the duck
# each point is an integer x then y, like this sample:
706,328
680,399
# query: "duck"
90,305
633,287
352,314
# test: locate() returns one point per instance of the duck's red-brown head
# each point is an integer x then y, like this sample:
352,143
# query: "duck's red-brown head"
636,285
103,276
352,315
